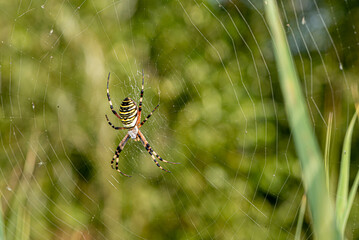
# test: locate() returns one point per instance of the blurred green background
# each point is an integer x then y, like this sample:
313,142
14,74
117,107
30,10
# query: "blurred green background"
211,67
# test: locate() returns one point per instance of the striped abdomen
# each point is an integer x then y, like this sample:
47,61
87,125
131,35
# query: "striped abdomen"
128,112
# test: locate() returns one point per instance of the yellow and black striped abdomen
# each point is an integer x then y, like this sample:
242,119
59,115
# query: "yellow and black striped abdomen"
128,112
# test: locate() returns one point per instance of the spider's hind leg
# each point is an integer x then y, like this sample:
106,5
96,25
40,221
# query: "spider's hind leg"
151,152
117,154
158,156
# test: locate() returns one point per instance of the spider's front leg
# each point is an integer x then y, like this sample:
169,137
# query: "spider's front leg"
149,115
141,98
109,98
117,128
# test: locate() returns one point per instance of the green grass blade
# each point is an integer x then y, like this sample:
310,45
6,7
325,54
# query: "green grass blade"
19,223
327,148
301,218
312,163
2,226
351,198
25,225
22,231
342,206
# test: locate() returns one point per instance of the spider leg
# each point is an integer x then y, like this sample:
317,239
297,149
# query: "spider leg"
117,128
149,115
151,152
109,98
147,145
141,98
117,154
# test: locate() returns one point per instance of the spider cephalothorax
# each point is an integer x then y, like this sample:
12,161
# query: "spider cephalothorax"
130,116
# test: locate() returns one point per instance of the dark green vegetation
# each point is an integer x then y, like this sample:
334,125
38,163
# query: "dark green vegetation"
221,115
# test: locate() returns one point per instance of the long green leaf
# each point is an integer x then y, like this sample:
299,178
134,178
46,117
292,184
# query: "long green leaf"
301,218
25,234
2,226
352,194
19,223
343,205
327,148
313,174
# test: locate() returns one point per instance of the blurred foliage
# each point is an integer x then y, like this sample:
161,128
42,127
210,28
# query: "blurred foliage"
221,115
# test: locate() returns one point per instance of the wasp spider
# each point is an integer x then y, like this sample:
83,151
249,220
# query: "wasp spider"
130,116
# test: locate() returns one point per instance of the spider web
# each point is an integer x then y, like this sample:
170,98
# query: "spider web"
211,67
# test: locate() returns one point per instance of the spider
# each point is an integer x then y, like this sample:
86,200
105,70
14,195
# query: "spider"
130,116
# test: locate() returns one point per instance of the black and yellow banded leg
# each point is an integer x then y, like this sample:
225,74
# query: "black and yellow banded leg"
158,156
118,170
149,115
117,154
117,128
109,98
141,98
150,151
